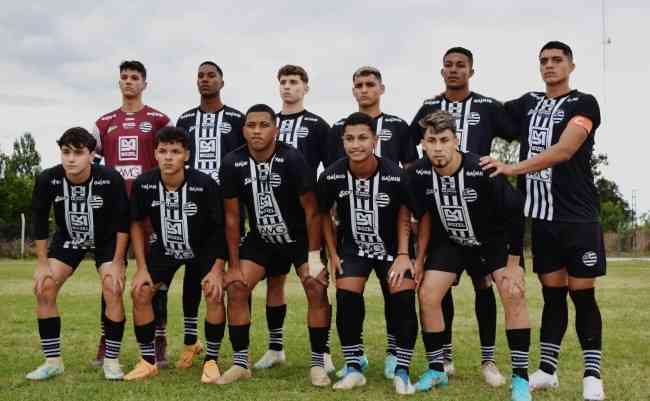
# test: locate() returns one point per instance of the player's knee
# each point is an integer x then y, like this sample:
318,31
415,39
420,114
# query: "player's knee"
482,283
315,291
238,292
111,291
142,296
47,296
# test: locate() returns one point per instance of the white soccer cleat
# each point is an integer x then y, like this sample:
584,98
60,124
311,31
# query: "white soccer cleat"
235,373
52,367
112,369
329,364
541,380
492,375
402,383
592,389
318,376
270,358
450,370
351,380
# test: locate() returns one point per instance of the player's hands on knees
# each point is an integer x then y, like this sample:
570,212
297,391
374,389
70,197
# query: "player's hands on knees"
512,280
212,285
116,274
42,273
141,278
398,270
488,163
315,267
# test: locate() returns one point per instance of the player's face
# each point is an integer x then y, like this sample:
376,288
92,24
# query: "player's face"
359,142
367,90
171,157
456,71
555,66
209,81
260,131
292,88
131,83
76,160
439,147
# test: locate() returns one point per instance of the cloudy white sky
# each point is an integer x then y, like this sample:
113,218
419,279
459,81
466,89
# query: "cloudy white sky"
59,64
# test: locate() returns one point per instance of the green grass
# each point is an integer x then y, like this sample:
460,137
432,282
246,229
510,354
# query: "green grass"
624,298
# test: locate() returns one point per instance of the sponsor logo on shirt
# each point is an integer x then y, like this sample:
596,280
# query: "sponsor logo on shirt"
431,102
332,177
128,125
391,178
590,259
59,198
248,180
474,173
111,128
101,182
155,114
233,114
482,100
572,99
393,120
310,119
155,203
108,117
186,115
242,163
129,172
343,194
421,171
470,194
145,127
279,159
195,189
148,186
128,148
55,182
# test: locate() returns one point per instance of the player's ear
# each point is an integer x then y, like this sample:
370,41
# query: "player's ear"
382,88
442,72
306,89
145,85
187,155
471,72
573,66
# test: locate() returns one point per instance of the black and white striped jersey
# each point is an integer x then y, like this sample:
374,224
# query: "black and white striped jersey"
565,192
187,222
367,208
270,190
394,140
468,207
85,214
212,136
306,132
479,119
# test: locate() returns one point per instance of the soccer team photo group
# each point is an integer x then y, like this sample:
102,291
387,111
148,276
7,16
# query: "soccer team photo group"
243,198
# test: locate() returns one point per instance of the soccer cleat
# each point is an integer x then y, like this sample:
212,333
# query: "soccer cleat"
112,369
101,350
541,380
142,370
430,379
318,376
353,378
210,373
344,370
592,389
329,364
188,354
402,383
450,370
270,358
52,367
234,374
520,389
390,363
160,345
491,374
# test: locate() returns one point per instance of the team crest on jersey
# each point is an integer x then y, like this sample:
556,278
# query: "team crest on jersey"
225,127
190,209
383,199
128,148
145,127
96,202
558,116
276,180
470,194
343,194
590,259
474,118
385,134
111,128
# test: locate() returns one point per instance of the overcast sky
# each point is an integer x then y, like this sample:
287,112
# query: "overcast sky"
60,59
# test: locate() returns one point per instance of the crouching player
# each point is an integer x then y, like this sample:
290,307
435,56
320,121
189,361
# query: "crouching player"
473,221
186,212
91,215
374,204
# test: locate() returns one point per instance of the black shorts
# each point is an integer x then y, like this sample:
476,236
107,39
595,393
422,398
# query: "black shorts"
357,266
275,259
63,252
478,261
162,272
578,247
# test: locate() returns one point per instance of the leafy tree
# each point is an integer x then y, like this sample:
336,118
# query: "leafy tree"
615,212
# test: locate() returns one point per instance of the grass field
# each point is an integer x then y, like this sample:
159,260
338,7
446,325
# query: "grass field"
624,297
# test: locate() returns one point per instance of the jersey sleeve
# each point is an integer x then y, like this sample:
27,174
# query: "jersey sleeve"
408,152
587,106
504,126
120,204
324,193
41,203
96,133
216,240
334,145
407,196
300,172
322,131
229,179
138,208
508,206
415,131
515,109
417,191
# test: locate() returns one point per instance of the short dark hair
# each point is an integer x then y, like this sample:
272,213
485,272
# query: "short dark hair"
439,121
291,69
359,118
460,50
555,44
261,108
77,137
135,66
212,63
365,71
171,135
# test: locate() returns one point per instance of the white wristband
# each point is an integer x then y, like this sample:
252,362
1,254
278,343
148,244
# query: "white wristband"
315,264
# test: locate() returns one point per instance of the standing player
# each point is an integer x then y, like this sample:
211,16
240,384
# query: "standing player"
394,143
557,139
470,221
306,132
276,185
479,119
91,214
185,210
214,130
374,204
125,139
